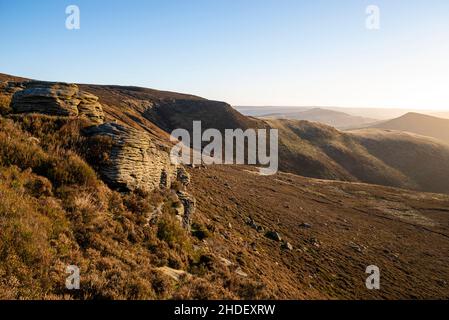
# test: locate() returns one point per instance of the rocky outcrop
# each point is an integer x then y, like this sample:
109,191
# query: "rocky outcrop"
89,107
188,208
135,161
58,99
183,176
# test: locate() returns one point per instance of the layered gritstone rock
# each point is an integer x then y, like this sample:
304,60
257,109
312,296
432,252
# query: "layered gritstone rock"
11,87
58,99
90,108
135,161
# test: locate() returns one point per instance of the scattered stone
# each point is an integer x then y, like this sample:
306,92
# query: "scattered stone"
250,222
273,235
395,255
287,246
226,262
356,247
305,225
442,283
240,272
173,273
225,235
315,242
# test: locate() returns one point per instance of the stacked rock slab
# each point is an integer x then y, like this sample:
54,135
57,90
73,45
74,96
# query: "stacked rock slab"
135,160
90,108
58,99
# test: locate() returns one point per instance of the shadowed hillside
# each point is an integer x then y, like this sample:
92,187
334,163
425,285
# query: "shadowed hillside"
385,158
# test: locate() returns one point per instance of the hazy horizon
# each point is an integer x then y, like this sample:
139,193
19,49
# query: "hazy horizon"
367,112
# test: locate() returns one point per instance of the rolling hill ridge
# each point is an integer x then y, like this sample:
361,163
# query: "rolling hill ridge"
422,124
337,119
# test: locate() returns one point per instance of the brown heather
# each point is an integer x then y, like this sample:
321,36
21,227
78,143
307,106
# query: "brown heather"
54,212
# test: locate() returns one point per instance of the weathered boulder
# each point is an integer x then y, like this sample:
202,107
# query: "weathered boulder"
135,161
58,99
273,235
305,225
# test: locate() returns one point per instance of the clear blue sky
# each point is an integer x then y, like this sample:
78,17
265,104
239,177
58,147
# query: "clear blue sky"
245,52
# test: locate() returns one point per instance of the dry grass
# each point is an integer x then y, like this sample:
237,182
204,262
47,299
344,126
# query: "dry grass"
54,211
5,104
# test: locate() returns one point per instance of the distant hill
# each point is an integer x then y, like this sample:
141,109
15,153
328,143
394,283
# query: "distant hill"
440,114
382,114
420,124
333,118
264,110
375,156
